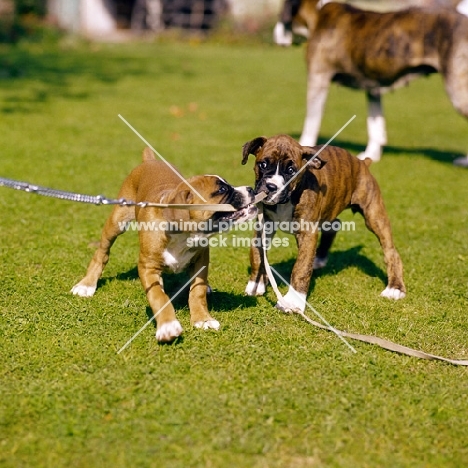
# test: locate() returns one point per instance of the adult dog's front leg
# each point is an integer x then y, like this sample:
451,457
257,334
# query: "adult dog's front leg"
318,84
199,315
295,298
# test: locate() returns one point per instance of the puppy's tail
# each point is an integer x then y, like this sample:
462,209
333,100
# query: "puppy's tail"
148,154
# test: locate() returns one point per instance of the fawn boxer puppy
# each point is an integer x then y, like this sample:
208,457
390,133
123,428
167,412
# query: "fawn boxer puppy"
160,248
303,190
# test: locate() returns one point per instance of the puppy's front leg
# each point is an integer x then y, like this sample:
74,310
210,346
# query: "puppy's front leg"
258,277
149,270
295,298
199,315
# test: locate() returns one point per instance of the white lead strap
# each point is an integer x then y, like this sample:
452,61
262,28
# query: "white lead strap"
385,344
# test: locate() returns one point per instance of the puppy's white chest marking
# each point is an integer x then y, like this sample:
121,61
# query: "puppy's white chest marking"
180,251
282,216
176,263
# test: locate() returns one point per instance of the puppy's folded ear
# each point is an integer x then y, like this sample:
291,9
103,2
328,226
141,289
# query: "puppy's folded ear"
252,147
309,155
183,195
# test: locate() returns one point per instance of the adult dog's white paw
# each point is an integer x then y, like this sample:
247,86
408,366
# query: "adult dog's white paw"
207,324
373,151
365,155
293,301
462,7
82,290
393,293
255,289
281,36
169,331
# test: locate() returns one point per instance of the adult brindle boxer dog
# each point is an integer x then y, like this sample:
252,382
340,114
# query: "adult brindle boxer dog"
378,52
163,249
304,188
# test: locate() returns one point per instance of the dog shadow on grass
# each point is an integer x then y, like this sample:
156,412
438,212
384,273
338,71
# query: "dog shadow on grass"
224,301
219,301
339,260
444,156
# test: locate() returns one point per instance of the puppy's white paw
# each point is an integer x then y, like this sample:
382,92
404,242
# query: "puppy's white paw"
255,289
301,31
207,324
393,293
293,301
320,263
169,331
83,290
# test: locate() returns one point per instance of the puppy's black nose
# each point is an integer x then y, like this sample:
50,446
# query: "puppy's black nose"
271,187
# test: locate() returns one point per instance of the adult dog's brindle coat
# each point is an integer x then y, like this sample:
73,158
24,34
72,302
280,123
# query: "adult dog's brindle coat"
377,52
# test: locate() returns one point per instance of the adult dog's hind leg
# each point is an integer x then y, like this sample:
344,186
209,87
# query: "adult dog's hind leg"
376,131
456,85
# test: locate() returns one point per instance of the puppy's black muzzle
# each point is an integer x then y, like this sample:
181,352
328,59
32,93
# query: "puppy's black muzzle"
242,200
275,196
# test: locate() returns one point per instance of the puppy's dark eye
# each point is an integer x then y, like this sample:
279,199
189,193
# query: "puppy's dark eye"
263,165
222,189
290,170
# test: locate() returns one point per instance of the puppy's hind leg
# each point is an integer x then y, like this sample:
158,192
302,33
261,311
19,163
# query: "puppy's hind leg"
326,241
376,218
116,224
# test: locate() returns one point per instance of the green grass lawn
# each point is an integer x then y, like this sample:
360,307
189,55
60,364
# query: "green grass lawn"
267,390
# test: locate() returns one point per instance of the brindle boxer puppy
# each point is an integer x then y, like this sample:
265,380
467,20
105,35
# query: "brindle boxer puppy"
161,249
378,52
302,191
